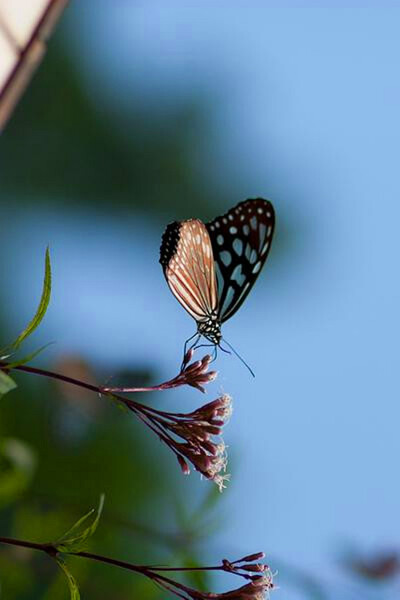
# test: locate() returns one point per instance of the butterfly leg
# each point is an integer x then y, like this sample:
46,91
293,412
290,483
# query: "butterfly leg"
186,349
215,353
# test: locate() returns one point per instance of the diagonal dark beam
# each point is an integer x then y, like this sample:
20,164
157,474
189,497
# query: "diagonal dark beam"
29,57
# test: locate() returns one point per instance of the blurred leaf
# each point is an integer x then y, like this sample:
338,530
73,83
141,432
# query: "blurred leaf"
210,500
75,538
146,588
16,578
152,156
33,521
118,403
199,579
6,383
17,466
73,586
182,515
44,302
199,524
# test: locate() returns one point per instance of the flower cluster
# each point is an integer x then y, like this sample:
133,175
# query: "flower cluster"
194,374
207,455
194,437
257,586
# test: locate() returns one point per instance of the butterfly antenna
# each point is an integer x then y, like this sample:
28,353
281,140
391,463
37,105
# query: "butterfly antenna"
238,355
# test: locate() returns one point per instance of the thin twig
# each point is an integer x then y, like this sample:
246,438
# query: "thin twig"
153,572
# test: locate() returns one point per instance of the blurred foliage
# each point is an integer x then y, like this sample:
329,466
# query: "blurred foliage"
76,455
64,143
61,447
17,467
6,383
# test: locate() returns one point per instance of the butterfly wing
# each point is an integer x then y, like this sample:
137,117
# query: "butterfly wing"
187,259
241,240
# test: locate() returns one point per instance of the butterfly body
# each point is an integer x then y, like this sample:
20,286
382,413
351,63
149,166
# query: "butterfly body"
210,328
211,267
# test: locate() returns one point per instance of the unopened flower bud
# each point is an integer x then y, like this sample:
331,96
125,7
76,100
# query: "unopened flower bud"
195,366
255,568
183,464
251,557
188,356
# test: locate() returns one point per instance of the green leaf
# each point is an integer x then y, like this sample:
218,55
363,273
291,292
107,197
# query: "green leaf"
209,501
75,538
116,401
199,579
73,586
28,357
6,383
44,302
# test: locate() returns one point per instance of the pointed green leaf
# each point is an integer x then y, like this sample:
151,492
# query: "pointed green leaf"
72,584
75,538
44,302
6,383
28,357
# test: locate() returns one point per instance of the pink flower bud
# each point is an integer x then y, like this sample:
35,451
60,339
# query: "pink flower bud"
193,367
188,356
183,464
251,557
256,568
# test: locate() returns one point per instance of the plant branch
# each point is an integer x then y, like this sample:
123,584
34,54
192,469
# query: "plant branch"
154,572
196,429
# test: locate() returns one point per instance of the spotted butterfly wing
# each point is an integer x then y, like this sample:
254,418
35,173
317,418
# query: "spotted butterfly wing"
240,240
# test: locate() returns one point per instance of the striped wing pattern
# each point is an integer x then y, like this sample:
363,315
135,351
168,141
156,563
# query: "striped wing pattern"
188,263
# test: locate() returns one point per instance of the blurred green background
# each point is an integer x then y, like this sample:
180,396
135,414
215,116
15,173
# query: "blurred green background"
62,447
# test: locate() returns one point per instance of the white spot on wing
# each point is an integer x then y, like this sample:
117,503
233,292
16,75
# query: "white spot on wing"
253,257
238,275
226,258
256,267
265,248
238,246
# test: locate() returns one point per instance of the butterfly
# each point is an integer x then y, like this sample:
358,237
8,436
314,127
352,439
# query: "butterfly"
211,267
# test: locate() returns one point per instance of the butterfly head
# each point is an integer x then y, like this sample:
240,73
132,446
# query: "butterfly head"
210,328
